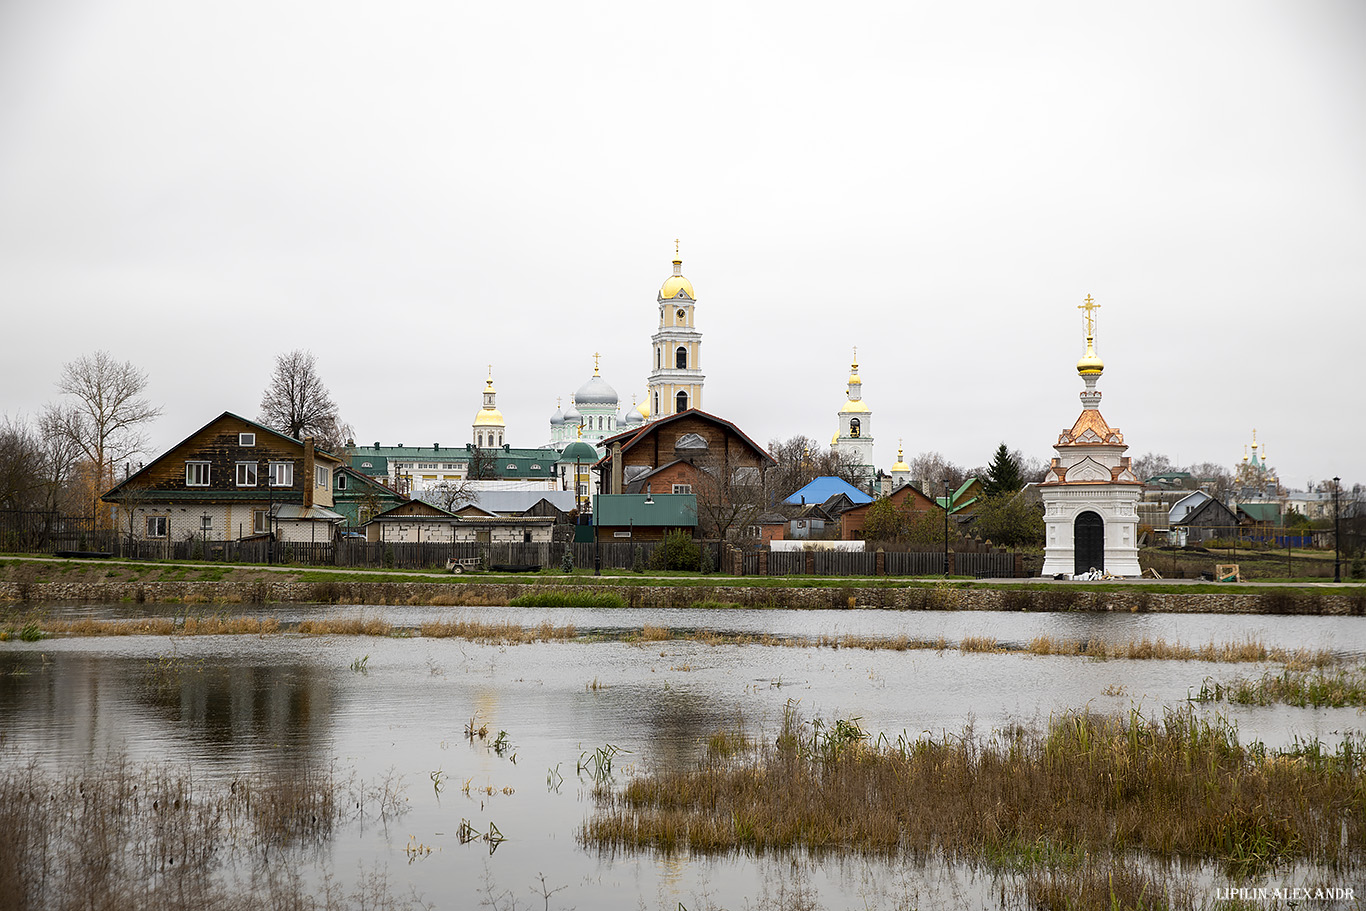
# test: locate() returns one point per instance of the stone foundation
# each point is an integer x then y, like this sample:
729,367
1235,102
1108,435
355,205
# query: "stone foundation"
1051,598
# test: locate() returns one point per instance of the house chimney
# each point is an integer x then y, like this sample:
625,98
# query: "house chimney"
308,472
616,468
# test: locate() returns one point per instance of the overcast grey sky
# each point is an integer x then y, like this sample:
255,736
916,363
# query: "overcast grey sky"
414,190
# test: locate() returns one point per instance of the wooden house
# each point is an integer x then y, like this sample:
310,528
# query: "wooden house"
232,478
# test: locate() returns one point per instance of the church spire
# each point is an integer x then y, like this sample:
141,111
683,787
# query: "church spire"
1090,366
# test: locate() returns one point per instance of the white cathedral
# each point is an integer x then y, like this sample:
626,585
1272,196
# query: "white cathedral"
1090,496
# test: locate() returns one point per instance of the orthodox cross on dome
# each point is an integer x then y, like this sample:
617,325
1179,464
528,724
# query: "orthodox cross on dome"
675,246
856,355
1090,307
595,362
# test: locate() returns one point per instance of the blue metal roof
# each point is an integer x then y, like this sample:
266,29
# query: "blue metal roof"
822,489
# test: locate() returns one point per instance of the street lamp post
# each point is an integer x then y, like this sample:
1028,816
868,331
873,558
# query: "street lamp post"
946,529
1337,532
597,552
270,515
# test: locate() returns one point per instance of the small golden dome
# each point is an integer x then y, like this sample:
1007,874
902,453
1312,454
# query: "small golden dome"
855,406
1090,365
834,438
675,283
900,464
644,408
489,417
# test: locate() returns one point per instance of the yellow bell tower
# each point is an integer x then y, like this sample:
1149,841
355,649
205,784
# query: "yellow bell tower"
676,377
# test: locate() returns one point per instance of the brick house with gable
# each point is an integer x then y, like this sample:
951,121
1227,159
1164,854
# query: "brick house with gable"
691,452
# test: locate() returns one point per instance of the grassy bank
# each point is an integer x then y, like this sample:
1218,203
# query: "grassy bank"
1032,595
1086,789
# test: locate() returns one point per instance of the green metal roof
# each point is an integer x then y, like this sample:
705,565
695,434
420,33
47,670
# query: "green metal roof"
505,462
1261,512
667,510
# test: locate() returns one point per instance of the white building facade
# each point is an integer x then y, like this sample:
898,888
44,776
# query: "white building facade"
1090,496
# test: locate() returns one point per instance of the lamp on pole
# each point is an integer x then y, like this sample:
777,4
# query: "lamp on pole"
1337,532
270,515
946,528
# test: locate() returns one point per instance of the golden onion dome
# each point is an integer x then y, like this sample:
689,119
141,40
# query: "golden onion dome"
489,417
899,465
675,283
644,408
1090,365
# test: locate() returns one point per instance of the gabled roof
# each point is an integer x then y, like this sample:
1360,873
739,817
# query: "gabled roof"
631,437
415,509
280,494
666,510
365,481
503,502
1261,512
1210,505
822,489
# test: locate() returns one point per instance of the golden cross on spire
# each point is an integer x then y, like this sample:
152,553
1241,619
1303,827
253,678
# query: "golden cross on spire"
1090,307
595,362
675,246
557,402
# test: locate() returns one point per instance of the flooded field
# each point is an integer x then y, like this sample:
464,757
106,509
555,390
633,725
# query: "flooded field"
490,753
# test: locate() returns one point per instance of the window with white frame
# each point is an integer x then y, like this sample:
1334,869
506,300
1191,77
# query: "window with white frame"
322,476
196,474
246,474
260,523
281,474
341,481
682,488
752,531
246,439
156,526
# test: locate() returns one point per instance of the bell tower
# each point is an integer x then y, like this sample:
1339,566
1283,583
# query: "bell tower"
676,377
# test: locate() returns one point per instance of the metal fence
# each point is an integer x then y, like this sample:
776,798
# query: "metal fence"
49,533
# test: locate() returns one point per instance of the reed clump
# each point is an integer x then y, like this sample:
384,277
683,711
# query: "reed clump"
568,597
650,633
1335,688
496,633
1106,786
347,626
124,835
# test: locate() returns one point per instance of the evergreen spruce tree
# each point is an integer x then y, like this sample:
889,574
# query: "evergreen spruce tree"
1003,475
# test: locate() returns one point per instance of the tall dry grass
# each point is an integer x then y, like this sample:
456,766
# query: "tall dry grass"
496,633
119,835
1174,787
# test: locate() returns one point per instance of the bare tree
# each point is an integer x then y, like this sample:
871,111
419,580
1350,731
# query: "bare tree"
730,495
449,494
20,466
800,460
108,411
932,469
296,402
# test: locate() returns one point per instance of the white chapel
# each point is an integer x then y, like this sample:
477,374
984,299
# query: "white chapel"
1090,496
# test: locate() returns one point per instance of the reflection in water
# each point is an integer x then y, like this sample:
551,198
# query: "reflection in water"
76,703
